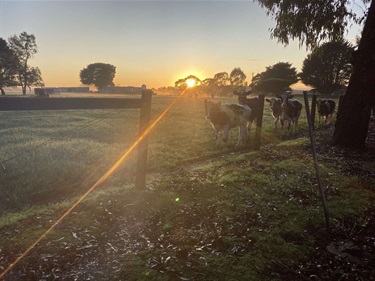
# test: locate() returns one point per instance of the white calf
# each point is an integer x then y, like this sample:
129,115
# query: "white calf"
226,116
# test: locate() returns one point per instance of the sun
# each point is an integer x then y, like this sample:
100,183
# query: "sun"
190,83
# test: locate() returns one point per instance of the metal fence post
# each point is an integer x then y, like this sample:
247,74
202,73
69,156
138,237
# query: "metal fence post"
312,139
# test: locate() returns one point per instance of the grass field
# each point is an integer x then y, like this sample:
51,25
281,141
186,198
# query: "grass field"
208,213
52,155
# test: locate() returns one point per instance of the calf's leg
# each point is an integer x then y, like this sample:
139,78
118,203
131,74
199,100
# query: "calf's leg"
225,134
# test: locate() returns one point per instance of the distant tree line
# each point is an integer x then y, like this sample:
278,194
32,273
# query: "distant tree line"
15,55
326,69
221,84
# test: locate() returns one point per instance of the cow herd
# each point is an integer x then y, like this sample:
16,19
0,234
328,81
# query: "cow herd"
284,109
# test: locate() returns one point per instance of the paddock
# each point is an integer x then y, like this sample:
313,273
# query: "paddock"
54,153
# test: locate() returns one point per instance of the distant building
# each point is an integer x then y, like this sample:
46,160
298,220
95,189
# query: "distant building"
75,89
124,89
58,90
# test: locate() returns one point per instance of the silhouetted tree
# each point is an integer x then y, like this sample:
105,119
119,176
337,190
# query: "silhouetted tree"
317,20
222,79
34,78
98,74
24,47
328,67
276,79
210,87
237,77
182,83
255,80
8,66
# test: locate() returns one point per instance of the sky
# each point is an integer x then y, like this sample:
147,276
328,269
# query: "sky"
150,42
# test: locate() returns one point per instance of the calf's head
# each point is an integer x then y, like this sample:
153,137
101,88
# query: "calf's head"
242,96
285,99
274,103
211,107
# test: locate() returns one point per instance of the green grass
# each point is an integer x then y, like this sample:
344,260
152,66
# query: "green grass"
57,151
236,211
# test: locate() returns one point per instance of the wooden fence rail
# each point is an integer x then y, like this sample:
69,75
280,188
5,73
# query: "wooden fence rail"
144,104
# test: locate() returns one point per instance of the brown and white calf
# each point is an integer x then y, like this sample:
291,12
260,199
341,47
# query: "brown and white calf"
325,110
275,105
291,111
226,116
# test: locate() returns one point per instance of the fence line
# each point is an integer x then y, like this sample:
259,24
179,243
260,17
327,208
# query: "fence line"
144,104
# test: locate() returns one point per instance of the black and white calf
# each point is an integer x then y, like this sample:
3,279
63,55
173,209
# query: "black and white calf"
291,111
275,105
325,110
226,116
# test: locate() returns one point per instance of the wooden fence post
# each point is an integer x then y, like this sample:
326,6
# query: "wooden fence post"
140,180
258,129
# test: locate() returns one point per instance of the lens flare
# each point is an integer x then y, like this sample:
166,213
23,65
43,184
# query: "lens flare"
98,183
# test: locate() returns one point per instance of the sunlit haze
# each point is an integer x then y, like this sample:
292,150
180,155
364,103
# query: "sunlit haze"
150,42
190,83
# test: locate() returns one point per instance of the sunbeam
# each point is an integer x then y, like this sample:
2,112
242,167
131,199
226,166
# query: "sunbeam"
98,183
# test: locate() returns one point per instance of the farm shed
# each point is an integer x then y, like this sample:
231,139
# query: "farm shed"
124,90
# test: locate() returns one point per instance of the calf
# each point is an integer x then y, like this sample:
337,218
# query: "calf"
275,105
226,116
291,111
253,103
325,109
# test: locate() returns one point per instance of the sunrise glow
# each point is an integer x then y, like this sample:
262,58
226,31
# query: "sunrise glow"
190,83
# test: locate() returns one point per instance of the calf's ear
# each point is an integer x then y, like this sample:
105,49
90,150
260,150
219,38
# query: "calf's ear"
268,100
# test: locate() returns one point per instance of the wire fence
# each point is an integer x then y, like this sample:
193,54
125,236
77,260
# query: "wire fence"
56,151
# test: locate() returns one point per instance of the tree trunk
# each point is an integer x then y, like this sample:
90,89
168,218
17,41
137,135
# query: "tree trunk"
354,113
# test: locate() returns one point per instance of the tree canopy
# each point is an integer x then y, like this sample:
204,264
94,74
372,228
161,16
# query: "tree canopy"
34,77
8,64
237,77
98,74
328,67
221,79
276,79
24,48
186,82
310,22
